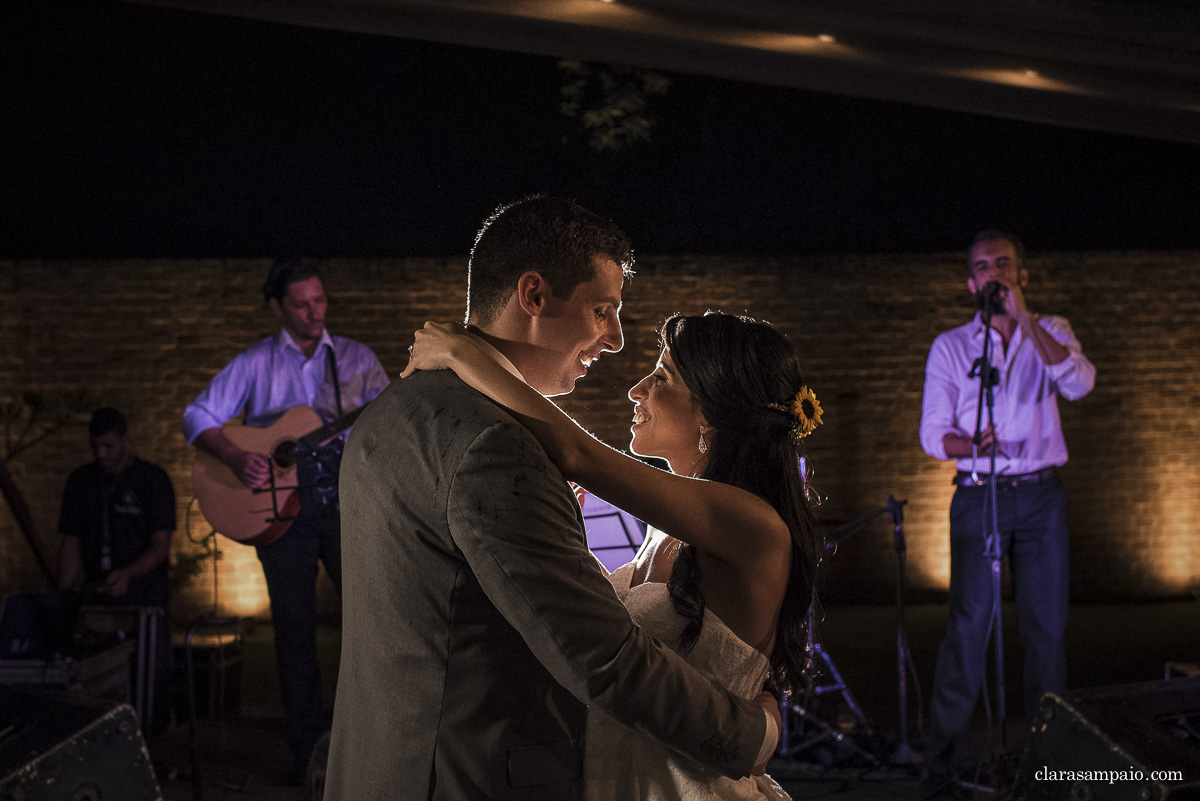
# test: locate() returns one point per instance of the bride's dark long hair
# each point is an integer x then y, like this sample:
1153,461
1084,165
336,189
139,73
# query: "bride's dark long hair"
736,368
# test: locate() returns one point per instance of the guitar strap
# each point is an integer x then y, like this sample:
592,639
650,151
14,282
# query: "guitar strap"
317,471
337,385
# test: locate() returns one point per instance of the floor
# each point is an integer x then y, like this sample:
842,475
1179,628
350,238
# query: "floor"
838,757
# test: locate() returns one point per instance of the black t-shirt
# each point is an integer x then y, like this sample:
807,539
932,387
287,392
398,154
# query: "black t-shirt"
126,509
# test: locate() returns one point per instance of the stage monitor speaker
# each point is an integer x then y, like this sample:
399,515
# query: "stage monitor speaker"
55,747
1139,742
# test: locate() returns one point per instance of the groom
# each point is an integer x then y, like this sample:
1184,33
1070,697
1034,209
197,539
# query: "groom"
476,623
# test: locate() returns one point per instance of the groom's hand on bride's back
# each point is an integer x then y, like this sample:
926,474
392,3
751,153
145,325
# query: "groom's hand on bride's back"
770,705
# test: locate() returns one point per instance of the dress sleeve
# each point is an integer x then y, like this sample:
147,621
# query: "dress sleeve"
512,516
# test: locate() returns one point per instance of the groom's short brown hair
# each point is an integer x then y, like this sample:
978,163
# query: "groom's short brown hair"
554,237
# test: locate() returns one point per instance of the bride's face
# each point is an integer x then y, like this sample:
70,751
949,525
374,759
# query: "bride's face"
666,423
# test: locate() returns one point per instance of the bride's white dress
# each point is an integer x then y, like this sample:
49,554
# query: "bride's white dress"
621,764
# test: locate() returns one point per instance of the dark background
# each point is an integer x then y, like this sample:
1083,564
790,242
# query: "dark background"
134,131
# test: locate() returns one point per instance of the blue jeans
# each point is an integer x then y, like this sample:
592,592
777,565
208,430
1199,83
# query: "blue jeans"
1033,535
290,567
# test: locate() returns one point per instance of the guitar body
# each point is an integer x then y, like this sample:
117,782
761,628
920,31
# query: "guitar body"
245,515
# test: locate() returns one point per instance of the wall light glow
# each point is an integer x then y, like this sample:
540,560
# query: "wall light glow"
927,524
929,566
1177,563
243,589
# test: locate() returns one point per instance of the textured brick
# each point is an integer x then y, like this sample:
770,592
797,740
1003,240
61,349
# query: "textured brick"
146,335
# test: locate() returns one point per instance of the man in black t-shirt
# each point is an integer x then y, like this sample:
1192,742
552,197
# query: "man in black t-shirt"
118,514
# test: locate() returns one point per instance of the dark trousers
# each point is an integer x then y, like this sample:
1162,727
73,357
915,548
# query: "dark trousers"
290,567
1033,535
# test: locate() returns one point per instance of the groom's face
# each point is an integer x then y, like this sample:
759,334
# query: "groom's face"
574,331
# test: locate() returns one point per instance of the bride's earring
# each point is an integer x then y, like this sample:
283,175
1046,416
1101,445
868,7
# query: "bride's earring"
703,444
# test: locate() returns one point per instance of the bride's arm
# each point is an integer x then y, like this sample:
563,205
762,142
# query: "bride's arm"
701,513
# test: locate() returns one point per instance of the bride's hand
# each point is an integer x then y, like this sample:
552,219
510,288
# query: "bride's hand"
435,347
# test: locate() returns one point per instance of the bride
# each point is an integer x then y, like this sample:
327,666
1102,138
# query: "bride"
726,572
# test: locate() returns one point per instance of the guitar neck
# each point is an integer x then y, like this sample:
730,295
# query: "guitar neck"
329,430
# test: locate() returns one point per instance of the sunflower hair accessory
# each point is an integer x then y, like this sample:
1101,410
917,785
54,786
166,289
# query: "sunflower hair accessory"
805,411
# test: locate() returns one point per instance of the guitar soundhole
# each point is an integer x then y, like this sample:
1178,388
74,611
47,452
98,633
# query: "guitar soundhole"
285,454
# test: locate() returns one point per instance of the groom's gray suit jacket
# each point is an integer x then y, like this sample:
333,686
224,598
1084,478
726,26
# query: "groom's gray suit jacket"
476,624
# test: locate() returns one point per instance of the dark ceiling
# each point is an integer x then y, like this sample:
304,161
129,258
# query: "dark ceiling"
1119,66
358,128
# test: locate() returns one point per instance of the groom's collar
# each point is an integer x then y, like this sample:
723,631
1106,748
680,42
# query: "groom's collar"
498,356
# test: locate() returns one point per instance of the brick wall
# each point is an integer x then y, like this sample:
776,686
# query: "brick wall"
146,335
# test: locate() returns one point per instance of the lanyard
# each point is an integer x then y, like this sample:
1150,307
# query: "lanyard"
110,490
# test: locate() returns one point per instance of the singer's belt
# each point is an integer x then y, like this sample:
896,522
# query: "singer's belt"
1006,481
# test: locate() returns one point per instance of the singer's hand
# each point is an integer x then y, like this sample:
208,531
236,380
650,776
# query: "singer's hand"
990,298
987,437
1014,302
251,468
959,446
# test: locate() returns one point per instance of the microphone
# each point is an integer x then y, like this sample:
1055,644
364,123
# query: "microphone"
991,298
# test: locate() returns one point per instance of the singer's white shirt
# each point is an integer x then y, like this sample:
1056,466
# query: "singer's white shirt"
1026,399
273,375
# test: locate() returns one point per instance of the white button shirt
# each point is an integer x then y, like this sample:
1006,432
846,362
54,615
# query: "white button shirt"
273,375
1028,427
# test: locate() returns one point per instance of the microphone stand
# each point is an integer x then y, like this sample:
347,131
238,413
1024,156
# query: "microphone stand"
989,376
903,755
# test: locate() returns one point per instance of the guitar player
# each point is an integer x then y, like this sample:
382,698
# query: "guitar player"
301,365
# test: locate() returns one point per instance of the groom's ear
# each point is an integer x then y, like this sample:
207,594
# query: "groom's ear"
533,293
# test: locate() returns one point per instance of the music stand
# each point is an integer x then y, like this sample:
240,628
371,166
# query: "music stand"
797,713
613,534
903,755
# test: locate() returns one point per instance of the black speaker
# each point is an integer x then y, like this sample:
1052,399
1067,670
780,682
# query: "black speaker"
1139,742
61,748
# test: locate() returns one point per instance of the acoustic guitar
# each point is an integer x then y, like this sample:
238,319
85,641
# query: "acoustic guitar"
261,516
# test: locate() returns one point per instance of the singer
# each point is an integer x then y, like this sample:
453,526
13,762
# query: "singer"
1038,359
